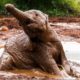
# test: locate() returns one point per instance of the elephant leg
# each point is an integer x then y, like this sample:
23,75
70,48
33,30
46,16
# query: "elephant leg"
45,61
64,60
6,62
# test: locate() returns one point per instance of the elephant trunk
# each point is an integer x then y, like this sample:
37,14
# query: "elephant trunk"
20,15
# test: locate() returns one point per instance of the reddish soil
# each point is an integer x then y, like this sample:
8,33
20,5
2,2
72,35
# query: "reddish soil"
9,22
64,19
67,32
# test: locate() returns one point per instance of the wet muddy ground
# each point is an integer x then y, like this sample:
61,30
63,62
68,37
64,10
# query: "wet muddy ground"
68,30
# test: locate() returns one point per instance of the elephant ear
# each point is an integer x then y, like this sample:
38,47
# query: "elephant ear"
47,21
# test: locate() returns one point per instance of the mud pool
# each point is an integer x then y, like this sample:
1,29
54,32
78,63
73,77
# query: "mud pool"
72,50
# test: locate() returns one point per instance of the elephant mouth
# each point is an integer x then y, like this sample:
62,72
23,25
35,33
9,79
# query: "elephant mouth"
28,22
25,22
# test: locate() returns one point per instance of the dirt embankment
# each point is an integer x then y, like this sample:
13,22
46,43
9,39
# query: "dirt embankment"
64,19
68,28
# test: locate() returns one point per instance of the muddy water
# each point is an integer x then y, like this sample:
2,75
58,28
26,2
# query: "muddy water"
37,73
67,25
72,50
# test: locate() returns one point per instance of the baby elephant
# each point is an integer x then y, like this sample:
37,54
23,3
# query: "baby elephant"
37,46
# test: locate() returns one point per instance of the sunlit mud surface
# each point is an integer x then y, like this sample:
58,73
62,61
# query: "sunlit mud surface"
67,25
35,73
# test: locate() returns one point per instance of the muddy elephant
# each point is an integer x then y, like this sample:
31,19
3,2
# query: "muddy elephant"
37,46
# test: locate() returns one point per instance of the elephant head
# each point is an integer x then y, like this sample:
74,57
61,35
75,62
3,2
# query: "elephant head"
32,21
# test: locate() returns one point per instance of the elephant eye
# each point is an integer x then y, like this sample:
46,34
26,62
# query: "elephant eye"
36,14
